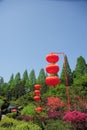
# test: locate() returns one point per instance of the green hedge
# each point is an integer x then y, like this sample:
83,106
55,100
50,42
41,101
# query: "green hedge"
57,125
11,124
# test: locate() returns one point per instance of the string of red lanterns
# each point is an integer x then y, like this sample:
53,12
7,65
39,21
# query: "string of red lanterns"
52,79
37,93
52,69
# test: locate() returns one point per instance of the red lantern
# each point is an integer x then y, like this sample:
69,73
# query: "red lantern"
52,57
52,80
14,110
37,86
37,92
38,109
52,68
36,98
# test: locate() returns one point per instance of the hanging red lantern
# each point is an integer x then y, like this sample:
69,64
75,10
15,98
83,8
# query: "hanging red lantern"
38,109
52,57
52,68
37,86
52,80
37,92
36,98
14,110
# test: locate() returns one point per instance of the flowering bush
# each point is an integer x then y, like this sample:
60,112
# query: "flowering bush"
54,103
76,118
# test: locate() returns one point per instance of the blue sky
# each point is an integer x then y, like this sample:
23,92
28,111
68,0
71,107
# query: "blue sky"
30,29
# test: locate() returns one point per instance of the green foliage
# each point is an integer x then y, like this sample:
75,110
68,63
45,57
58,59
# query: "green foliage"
1,128
7,122
58,91
81,67
41,80
4,89
29,110
4,105
12,115
19,89
25,75
66,73
11,79
1,102
80,86
17,78
57,125
27,126
41,77
12,124
32,80
24,100
1,81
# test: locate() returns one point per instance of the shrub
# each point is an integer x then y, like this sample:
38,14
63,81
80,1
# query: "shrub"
57,125
27,126
7,122
12,115
54,103
5,128
76,118
12,124
28,110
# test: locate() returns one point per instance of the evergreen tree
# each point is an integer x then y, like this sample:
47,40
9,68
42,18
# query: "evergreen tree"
1,81
25,75
81,67
32,79
66,72
4,89
25,79
19,90
17,78
11,79
41,80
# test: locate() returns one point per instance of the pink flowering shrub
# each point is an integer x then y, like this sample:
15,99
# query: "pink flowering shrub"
53,103
76,118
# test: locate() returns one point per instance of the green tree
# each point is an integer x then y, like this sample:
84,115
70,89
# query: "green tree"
11,84
11,81
1,81
19,89
25,79
17,78
4,89
81,67
66,72
80,86
11,78
32,80
25,75
41,80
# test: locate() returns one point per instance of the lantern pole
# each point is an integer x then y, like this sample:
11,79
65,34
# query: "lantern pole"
66,78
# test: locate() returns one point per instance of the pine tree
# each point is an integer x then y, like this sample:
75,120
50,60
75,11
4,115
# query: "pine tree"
17,78
66,71
25,79
11,79
25,75
32,79
41,80
81,67
1,81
